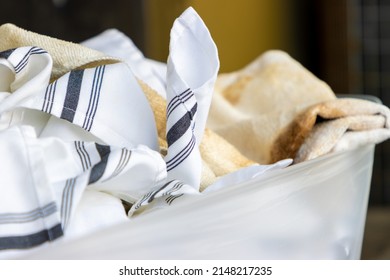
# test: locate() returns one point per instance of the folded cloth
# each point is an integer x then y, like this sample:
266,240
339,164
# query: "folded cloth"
68,137
100,132
66,56
334,125
250,107
218,156
150,72
275,109
192,69
43,180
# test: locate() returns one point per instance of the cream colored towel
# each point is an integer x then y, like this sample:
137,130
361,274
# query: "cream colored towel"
252,106
335,125
66,56
275,109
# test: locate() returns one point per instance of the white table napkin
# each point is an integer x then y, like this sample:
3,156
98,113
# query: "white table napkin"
192,69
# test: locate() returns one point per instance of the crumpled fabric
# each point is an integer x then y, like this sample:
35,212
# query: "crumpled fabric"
91,130
274,108
76,123
333,126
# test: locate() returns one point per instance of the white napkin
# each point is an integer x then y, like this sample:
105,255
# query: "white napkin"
43,179
192,69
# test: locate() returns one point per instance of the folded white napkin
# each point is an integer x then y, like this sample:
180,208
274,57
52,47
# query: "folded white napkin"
191,73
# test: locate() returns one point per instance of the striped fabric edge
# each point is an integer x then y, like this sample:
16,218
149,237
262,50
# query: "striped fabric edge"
182,155
67,201
94,97
169,189
31,240
25,217
178,99
23,62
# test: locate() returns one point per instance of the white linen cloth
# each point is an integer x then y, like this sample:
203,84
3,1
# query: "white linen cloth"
42,179
72,150
116,44
93,129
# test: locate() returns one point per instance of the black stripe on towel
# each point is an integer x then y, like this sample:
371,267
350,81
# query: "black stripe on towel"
7,53
83,154
34,50
49,97
182,155
99,168
72,95
31,240
178,99
181,126
94,97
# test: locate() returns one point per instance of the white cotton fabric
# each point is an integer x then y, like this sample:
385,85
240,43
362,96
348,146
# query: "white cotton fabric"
73,149
48,162
87,141
116,44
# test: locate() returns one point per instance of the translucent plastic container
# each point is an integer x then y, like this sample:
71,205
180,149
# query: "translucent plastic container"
311,210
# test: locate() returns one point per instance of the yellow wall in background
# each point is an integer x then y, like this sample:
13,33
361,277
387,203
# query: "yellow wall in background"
241,29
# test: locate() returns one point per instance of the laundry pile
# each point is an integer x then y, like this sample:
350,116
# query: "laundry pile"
92,134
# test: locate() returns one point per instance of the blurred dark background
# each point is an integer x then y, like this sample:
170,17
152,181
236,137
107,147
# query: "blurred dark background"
344,42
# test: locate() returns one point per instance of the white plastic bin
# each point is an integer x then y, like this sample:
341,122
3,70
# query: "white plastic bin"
311,210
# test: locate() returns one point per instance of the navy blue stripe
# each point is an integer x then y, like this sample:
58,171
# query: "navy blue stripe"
94,97
23,62
179,158
184,99
97,95
171,198
174,99
38,51
45,105
49,97
181,126
99,168
72,95
177,100
151,198
7,53
31,240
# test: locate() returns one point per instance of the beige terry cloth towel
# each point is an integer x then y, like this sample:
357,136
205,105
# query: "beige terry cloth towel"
219,157
251,107
330,126
66,56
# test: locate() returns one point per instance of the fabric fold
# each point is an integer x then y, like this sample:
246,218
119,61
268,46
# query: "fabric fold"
191,72
251,106
336,125
192,69
66,56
